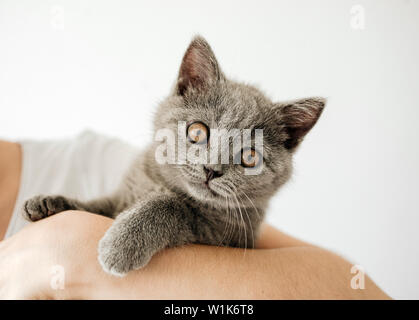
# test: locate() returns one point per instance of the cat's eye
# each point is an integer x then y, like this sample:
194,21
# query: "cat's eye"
250,158
197,132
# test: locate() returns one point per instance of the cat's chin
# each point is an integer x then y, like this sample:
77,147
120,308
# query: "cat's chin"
202,192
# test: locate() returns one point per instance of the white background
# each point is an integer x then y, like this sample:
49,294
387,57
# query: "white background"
70,65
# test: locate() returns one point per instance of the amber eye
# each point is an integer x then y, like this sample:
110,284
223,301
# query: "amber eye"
197,132
250,158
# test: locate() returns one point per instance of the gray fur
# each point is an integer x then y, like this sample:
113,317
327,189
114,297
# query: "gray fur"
161,206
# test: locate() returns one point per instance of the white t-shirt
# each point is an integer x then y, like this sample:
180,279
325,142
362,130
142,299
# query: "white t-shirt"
85,167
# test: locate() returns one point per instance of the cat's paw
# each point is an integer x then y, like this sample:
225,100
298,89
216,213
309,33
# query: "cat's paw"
40,207
118,254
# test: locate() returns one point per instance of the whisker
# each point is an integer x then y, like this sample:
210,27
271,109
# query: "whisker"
247,214
225,228
230,218
250,223
243,223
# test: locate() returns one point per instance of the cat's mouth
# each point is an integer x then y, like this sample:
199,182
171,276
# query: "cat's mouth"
204,188
199,186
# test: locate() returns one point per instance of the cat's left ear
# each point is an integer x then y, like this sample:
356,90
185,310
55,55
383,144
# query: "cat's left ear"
199,68
298,117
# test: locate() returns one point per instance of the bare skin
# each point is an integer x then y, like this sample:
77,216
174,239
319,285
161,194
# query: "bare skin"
281,268
10,169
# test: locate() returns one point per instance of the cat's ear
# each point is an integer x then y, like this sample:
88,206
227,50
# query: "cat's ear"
199,68
298,117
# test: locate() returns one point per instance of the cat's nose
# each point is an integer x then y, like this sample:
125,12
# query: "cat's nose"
212,172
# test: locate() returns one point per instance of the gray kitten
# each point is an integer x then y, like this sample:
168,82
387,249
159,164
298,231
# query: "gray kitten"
161,206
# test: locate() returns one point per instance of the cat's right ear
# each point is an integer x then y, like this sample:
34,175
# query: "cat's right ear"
199,68
298,117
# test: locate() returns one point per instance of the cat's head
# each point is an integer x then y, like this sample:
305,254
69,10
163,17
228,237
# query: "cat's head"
204,100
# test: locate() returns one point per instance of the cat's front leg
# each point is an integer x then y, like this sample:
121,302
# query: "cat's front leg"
143,230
